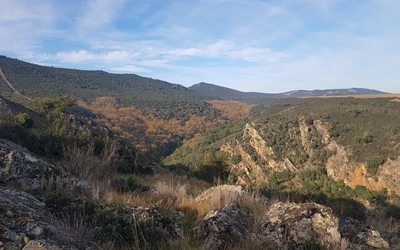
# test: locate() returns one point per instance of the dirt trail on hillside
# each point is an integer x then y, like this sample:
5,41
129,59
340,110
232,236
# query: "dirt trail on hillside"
11,86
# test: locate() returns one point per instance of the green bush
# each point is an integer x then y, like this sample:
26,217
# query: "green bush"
24,119
213,168
373,164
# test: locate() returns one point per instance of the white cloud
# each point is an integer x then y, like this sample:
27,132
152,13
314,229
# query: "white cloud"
84,56
100,12
130,68
229,50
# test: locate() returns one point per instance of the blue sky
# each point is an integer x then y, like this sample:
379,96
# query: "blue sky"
250,45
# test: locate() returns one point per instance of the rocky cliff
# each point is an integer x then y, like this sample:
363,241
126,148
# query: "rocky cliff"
258,159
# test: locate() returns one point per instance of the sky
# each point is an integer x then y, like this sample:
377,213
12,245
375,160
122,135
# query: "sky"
268,46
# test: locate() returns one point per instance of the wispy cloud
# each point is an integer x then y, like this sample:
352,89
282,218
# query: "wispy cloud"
84,56
99,13
129,68
229,50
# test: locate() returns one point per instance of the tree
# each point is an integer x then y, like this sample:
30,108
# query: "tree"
53,107
213,167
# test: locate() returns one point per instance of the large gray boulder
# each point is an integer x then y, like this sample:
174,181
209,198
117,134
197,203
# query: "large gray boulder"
26,224
21,169
221,228
290,224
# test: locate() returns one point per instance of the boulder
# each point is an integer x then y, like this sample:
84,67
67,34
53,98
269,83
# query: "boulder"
169,228
20,168
26,224
291,224
224,227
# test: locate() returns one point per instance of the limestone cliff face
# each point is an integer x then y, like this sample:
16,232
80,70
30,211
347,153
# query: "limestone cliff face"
249,169
339,167
257,158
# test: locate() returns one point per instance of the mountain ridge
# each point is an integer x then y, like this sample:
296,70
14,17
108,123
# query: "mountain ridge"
25,77
228,93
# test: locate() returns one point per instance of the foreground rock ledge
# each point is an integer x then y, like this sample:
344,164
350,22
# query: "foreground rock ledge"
286,226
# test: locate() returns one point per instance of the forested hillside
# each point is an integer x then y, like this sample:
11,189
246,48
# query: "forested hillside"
346,147
154,114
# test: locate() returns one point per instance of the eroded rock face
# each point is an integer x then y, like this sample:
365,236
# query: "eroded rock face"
20,168
221,228
289,224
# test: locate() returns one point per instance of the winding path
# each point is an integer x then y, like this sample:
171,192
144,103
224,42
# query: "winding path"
11,86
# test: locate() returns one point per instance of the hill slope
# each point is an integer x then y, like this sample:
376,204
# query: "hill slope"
349,138
227,93
145,110
40,81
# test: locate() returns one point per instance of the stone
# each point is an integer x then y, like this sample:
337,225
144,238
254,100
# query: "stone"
21,169
27,228
170,228
290,224
224,227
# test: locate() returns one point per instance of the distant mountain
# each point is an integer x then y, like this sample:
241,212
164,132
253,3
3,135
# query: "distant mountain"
227,93
231,94
330,92
219,91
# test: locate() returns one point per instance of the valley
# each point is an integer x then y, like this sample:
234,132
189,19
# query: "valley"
111,161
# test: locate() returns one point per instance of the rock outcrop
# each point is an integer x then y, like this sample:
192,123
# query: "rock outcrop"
20,168
281,225
290,224
26,224
225,227
170,228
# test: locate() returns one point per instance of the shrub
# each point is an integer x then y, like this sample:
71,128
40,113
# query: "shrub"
373,164
213,168
24,119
